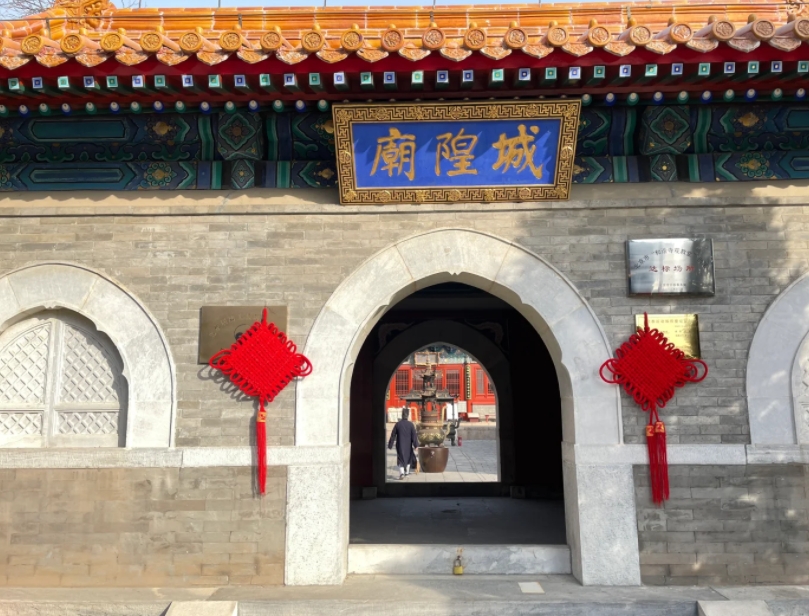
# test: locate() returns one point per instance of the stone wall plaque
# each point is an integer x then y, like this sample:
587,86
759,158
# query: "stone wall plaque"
670,266
436,152
680,329
221,326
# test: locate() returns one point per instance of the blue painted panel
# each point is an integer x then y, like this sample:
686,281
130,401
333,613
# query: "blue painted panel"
456,153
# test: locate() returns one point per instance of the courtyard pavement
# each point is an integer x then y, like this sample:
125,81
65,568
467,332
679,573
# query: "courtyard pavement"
474,462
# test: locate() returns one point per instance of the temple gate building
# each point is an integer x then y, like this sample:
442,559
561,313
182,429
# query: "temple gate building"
158,163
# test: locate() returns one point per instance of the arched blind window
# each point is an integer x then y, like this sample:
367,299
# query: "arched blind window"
61,384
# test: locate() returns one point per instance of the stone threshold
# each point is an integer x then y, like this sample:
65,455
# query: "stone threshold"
209,457
398,559
326,201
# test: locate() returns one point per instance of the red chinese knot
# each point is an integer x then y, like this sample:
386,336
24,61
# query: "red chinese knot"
261,363
650,368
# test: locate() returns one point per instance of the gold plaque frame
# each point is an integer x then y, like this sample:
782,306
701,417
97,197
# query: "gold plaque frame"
680,329
345,115
221,326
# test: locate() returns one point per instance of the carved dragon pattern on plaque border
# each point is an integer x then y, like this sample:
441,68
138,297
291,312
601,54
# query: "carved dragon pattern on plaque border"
345,115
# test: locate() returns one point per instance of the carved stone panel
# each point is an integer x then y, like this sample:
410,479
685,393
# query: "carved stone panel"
61,384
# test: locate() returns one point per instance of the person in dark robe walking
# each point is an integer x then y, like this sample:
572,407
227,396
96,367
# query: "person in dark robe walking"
406,440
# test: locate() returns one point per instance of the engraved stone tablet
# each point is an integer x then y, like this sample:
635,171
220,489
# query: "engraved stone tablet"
670,266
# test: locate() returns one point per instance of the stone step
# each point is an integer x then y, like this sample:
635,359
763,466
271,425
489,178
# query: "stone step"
399,559
468,608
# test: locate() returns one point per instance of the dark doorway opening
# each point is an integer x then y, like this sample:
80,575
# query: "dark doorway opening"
529,491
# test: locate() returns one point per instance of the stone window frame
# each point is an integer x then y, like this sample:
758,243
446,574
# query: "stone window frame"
778,362
149,368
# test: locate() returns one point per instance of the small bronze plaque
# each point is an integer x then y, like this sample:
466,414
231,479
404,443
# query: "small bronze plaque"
221,326
680,329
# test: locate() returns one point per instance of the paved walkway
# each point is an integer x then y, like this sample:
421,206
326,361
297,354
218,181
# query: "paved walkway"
475,461
436,595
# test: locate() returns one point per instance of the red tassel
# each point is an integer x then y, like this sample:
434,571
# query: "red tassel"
261,445
662,459
651,445
658,461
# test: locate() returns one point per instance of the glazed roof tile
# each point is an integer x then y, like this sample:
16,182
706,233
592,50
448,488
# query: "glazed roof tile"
90,32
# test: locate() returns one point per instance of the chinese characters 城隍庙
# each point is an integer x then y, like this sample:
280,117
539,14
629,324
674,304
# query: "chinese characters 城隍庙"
396,153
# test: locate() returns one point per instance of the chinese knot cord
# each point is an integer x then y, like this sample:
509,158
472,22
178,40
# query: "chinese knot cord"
261,363
650,368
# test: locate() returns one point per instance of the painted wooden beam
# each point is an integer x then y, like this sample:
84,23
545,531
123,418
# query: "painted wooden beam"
597,76
316,82
265,82
240,84
290,81
367,80
340,81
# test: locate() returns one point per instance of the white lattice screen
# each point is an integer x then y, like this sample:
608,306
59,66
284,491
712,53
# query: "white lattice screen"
61,384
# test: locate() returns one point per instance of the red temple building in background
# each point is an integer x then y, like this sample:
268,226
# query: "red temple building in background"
465,379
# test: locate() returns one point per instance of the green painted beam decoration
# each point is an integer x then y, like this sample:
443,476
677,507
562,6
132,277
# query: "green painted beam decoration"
417,79
316,83
63,145
597,76
265,82
649,74
216,84
15,86
367,80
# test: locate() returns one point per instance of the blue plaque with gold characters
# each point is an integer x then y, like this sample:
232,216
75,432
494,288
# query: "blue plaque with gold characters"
455,152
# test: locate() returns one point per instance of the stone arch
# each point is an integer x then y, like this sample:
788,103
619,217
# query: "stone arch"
599,497
777,366
148,365
543,295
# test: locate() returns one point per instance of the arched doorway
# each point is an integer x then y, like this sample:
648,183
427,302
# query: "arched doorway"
599,491
504,484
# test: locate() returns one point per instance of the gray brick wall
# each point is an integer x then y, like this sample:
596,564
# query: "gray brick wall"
175,264
141,527
726,525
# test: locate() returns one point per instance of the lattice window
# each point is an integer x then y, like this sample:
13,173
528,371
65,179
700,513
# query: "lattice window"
480,378
454,382
439,380
61,384
402,383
